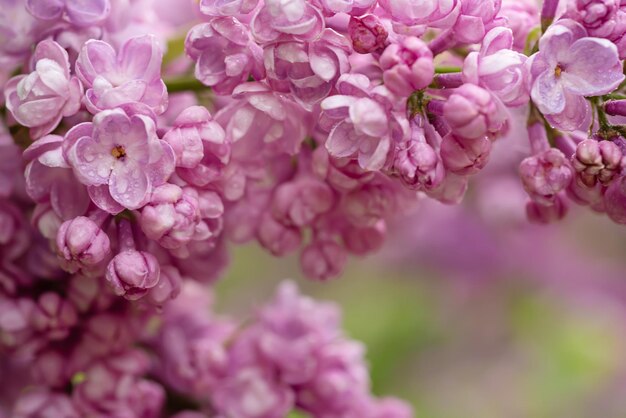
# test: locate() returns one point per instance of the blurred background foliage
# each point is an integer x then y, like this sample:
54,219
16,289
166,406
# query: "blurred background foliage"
543,335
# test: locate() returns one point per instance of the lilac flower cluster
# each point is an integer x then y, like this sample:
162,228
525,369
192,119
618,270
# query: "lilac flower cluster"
140,139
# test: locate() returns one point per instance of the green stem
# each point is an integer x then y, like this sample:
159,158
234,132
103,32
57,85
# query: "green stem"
447,70
187,83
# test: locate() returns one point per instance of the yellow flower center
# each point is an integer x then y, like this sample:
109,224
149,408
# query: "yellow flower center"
118,152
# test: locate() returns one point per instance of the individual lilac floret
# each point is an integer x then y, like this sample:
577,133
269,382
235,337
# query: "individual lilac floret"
77,12
569,67
417,162
262,122
121,154
173,217
309,70
286,19
407,66
465,156
545,175
82,244
472,112
597,161
133,273
368,34
201,149
499,69
225,54
42,98
362,124
132,75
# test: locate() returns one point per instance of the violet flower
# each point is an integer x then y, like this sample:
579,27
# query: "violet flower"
569,67
130,76
42,98
121,155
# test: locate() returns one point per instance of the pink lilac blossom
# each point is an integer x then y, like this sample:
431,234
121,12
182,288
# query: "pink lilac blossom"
569,67
128,76
42,98
305,125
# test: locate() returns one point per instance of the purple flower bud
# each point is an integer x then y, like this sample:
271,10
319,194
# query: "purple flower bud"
417,163
464,156
366,206
407,66
597,161
543,214
172,217
132,273
615,107
367,33
472,112
82,243
545,175
323,260
191,129
54,316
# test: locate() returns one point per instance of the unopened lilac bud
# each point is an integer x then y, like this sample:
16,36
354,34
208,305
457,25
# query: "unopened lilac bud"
323,260
472,112
545,175
191,128
615,107
465,156
407,66
277,238
82,243
54,316
597,161
132,273
167,288
543,214
172,217
299,202
367,33
615,200
419,166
